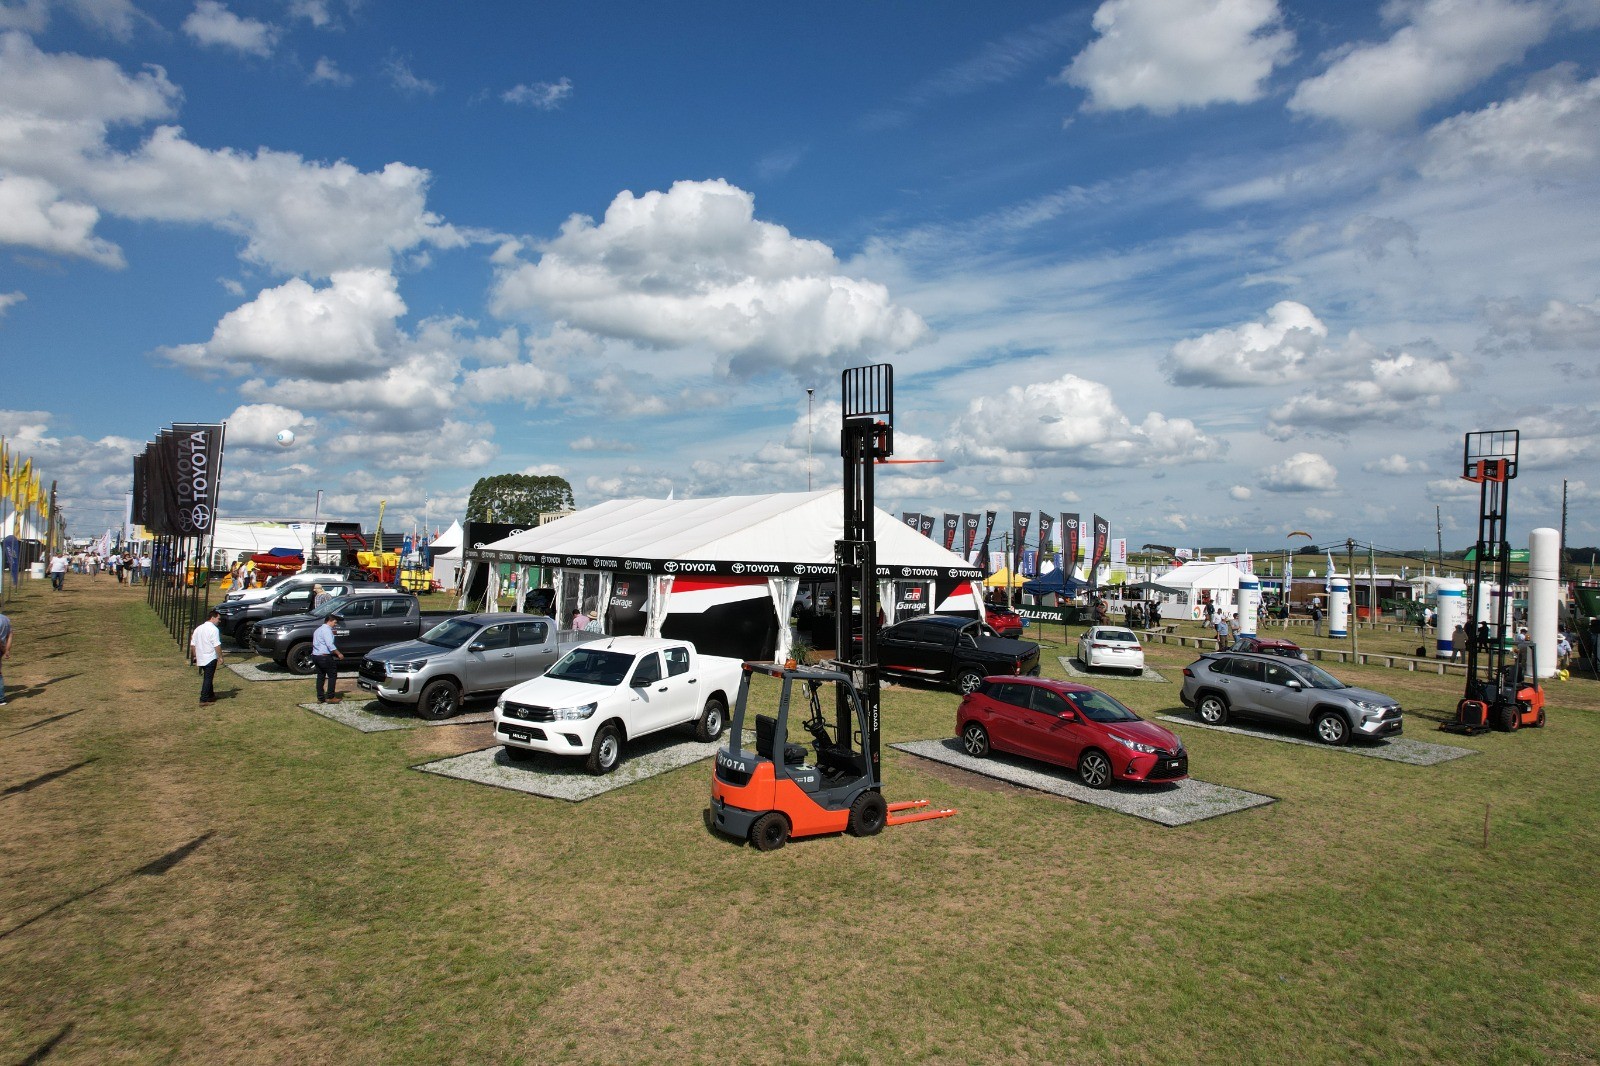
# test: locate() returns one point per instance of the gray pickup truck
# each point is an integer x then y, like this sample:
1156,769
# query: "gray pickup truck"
468,655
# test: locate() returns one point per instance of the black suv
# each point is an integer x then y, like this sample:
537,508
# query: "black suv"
953,650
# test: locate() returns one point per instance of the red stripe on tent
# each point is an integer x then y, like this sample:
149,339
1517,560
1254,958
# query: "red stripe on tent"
683,583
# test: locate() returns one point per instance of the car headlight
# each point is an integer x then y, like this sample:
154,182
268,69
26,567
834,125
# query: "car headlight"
406,667
572,714
1148,749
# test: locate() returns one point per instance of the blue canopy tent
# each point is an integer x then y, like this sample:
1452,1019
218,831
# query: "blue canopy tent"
1055,583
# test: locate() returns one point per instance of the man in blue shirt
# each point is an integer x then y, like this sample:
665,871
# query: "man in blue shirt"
326,655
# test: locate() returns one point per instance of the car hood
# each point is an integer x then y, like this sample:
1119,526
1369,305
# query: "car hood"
407,651
553,692
1365,695
248,595
1146,733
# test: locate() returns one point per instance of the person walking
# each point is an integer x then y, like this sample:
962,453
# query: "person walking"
1224,632
205,648
5,649
1458,642
325,654
1316,619
58,571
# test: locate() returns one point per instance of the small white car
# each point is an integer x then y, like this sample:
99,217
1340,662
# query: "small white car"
1111,647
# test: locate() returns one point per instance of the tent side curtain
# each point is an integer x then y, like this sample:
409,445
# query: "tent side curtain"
604,606
783,591
656,606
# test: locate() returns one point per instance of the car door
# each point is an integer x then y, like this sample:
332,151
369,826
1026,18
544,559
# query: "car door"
1056,739
534,649
493,658
358,627
1279,699
653,706
295,601
1007,702
394,621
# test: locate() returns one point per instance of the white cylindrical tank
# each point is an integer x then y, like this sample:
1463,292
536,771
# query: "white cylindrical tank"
1450,610
1544,593
1338,607
1249,604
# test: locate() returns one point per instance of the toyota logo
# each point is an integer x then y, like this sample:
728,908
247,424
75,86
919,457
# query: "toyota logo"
200,516
670,567
738,568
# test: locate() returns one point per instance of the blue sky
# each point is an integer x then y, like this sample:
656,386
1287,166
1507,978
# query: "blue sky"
1215,269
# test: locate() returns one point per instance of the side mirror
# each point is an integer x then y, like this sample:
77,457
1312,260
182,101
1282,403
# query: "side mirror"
475,647
1296,685
642,682
1068,716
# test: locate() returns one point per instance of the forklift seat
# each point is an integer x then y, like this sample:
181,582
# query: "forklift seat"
766,735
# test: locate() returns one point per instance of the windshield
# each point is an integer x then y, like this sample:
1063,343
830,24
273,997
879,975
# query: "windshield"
1317,677
451,633
592,667
333,606
1098,707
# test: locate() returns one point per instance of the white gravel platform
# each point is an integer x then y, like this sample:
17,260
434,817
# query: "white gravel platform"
1074,668
266,670
1394,749
558,777
370,716
1172,804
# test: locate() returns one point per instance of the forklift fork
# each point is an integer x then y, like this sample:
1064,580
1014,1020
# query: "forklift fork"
896,818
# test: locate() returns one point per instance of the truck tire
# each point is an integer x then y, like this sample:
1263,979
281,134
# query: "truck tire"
868,814
712,720
770,832
968,680
1509,717
439,700
606,754
241,634
299,660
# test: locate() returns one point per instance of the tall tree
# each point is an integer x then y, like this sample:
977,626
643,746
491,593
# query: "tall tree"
519,498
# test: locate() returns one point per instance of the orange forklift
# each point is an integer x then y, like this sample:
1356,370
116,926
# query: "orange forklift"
1501,694
780,790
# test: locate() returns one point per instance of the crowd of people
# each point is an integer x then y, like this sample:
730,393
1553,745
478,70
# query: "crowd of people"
129,567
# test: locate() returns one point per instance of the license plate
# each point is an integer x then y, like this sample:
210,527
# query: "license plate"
370,686
1173,764
515,735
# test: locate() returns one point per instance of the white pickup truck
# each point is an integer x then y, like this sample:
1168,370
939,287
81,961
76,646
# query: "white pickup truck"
600,696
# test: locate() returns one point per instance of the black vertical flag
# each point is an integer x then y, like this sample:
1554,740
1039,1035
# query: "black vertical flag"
969,528
925,525
1102,541
988,532
1045,528
952,523
1071,537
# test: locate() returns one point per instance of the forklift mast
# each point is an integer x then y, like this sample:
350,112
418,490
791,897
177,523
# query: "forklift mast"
1490,458
867,399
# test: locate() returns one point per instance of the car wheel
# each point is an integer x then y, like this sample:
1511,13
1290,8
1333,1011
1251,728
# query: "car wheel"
439,700
967,682
1509,719
975,739
770,832
299,660
1213,709
868,814
517,754
241,634
712,720
607,750
1332,728
1094,769
1538,723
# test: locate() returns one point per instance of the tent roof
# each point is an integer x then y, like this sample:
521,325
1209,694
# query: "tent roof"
1057,582
781,527
1200,576
449,540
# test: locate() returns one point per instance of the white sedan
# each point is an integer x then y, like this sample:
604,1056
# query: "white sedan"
1112,647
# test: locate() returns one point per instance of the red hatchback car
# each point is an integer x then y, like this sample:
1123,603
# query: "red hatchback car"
1070,725
1003,620
1270,646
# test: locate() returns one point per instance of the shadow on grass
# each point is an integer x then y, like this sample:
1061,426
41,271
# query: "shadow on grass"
154,868
42,1052
42,779
43,721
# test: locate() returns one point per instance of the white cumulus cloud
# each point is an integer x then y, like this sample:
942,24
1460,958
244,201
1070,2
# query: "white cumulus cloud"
1552,128
1395,465
211,23
256,425
1284,347
1164,55
1444,47
33,214
693,267
1301,472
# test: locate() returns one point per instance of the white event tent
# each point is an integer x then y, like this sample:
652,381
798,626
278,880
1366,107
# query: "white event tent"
447,556
736,562
1186,583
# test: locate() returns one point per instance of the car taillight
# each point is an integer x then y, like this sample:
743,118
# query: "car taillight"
1187,672
1016,668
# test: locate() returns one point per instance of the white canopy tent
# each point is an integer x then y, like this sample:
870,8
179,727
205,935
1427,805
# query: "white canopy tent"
688,555
1186,585
447,556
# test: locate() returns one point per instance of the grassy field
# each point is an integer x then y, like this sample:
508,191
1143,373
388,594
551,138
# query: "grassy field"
252,883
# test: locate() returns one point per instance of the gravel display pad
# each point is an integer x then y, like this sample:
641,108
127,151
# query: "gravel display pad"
1070,664
370,716
556,777
1395,749
266,670
1169,805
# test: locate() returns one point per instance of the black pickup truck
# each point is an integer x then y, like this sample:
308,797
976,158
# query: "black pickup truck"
952,650
365,622
238,616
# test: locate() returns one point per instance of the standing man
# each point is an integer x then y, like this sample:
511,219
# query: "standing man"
1316,618
326,655
205,647
5,649
58,571
1224,632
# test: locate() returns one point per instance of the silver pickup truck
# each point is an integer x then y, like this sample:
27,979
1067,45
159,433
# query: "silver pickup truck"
468,655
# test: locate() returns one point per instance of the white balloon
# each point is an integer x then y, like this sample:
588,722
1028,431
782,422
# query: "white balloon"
285,437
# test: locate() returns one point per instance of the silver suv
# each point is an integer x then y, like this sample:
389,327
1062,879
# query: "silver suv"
1222,684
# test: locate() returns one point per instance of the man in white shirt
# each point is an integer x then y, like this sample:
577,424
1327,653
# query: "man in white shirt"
205,646
58,571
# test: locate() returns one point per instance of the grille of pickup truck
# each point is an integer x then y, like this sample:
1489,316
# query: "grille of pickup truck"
526,713
373,670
